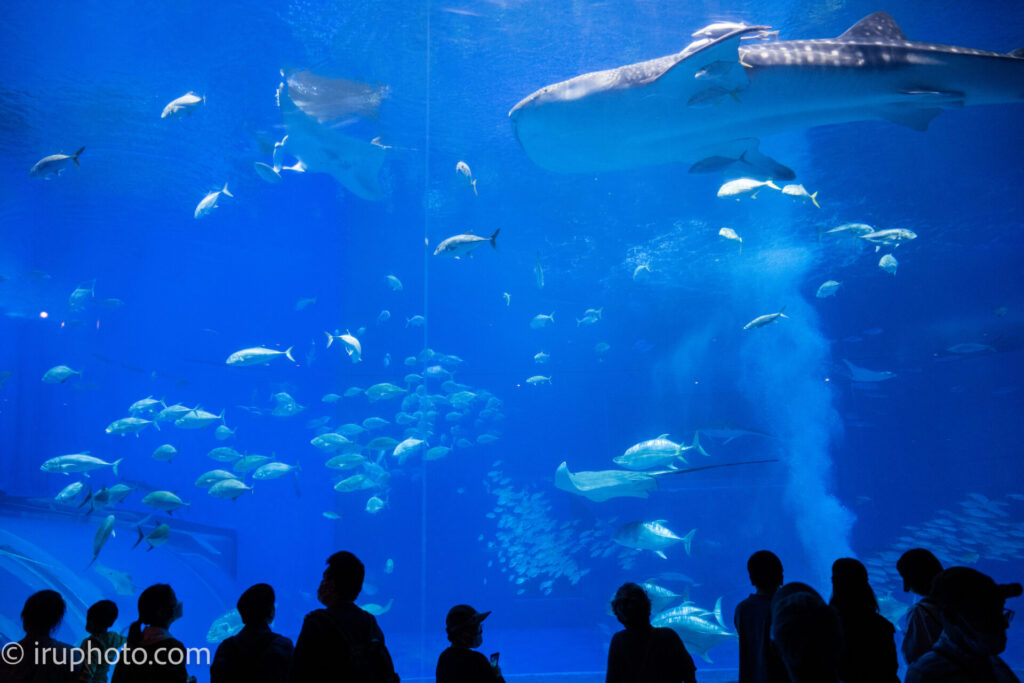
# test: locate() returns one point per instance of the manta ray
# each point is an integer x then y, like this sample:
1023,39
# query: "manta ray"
314,111
709,105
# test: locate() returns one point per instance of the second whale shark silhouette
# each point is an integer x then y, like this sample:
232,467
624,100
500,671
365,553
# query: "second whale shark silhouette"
709,105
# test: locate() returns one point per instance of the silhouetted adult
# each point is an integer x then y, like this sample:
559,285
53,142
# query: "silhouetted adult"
807,634
40,658
101,645
974,624
869,645
256,654
152,654
759,660
919,567
868,638
642,653
341,642
461,663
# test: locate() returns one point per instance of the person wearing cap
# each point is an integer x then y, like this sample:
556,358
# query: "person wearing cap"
919,567
974,624
460,662
642,653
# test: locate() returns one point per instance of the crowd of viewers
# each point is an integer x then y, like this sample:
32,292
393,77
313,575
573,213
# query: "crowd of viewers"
787,634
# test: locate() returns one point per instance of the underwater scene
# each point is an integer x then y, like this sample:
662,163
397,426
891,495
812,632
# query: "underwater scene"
515,300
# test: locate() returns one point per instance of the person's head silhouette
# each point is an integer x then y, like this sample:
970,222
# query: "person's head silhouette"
631,606
256,605
464,626
159,607
973,608
100,617
851,591
343,579
765,570
918,567
42,613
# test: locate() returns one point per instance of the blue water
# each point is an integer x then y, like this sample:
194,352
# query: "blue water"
936,448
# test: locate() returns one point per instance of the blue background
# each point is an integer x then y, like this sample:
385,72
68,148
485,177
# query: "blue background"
856,464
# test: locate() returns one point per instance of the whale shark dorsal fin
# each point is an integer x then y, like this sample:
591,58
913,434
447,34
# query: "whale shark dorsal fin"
877,26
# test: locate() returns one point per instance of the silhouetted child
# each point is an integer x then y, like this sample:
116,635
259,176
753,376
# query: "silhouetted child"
153,655
101,646
869,646
919,567
40,657
807,634
341,642
759,660
256,654
461,663
974,625
642,653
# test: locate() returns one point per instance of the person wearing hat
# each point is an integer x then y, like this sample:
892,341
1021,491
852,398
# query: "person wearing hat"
919,567
974,624
460,662
642,653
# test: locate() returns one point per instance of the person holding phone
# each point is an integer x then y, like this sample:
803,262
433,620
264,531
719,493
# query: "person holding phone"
461,663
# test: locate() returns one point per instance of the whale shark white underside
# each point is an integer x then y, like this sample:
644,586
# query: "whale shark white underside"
709,105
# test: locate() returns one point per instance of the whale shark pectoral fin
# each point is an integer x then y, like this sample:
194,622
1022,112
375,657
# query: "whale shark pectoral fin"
743,158
911,117
916,108
703,55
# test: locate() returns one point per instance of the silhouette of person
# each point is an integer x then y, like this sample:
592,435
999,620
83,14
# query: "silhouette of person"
153,655
460,662
342,641
42,658
919,567
807,634
759,660
642,653
869,645
974,624
101,643
256,654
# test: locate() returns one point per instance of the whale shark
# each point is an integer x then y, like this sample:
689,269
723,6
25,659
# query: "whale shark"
711,104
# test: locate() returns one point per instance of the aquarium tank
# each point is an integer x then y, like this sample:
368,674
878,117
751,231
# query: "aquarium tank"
517,300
